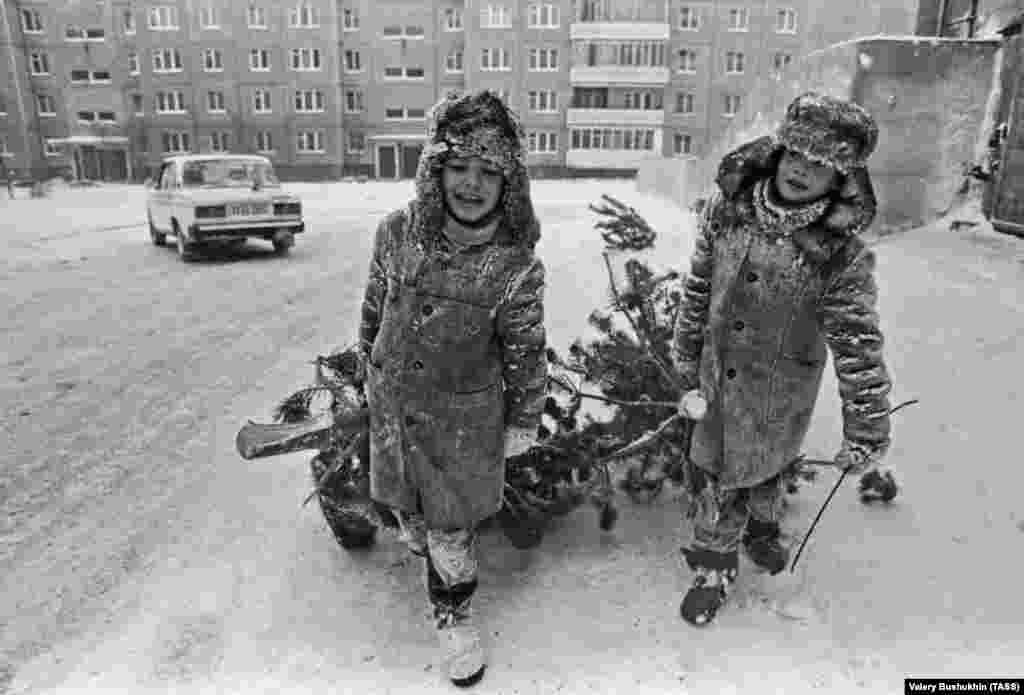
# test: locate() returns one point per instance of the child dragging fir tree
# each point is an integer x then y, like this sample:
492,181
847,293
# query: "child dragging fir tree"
779,275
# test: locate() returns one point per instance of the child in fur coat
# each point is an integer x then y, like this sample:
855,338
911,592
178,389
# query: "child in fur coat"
779,273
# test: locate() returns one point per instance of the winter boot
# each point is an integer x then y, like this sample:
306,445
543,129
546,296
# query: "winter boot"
457,634
761,542
715,572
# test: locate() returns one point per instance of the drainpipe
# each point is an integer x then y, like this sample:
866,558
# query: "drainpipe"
943,12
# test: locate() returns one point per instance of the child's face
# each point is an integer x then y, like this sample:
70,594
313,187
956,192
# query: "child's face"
799,180
472,187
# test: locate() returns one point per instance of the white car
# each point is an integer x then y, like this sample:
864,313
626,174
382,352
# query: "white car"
221,199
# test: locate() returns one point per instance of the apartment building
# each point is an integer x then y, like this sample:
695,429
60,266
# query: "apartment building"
333,87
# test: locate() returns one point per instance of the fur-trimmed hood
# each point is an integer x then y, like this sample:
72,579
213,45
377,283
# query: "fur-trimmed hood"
851,212
476,124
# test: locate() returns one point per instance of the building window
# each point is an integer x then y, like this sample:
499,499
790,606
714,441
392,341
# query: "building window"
306,59
612,139
310,141
687,61
353,61
396,31
542,141
689,18
356,143
133,63
220,141
785,21
494,16
415,114
733,102
400,73
46,105
543,101
259,59
350,19
543,15
54,149
399,113
170,102
309,101
167,60
39,63
453,19
261,101
257,17
682,143
4,152
739,19
649,101
734,63
175,142
782,61
31,22
137,106
106,116
495,59
215,102
453,62
163,18
684,102
304,15
209,16
543,59
213,60
76,33
263,141
3,106
353,101
80,76
128,21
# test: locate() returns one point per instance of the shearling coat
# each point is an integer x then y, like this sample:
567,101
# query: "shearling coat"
455,339
757,316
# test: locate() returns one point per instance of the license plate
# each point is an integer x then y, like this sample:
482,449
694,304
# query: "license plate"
247,209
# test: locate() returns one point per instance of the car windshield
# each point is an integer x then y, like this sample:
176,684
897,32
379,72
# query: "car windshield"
228,172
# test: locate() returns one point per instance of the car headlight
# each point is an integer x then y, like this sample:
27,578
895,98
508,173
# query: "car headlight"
294,208
210,211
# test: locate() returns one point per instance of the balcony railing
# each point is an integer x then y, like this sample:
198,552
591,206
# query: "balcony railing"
610,75
629,31
606,116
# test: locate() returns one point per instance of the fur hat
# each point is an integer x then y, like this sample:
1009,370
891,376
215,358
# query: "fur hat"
477,124
829,131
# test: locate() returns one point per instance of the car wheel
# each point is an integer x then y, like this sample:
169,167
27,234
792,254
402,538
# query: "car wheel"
283,242
185,249
155,236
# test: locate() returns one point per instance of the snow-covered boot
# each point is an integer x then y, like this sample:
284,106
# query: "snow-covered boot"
715,572
456,632
761,541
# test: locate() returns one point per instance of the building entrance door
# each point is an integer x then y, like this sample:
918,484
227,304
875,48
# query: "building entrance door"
386,168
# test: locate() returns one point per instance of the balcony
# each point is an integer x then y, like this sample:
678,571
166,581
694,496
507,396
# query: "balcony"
609,117
617,75
620,31
611,159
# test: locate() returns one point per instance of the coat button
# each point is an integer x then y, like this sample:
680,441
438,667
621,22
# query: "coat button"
427,309
739,325
417,364
751,276
730,373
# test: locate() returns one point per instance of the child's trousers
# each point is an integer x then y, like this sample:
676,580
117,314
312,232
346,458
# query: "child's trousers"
720,527
452,553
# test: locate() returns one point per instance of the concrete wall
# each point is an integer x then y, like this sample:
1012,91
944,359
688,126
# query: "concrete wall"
928,96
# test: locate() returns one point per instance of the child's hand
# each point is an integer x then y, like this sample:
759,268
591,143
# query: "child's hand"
693,405
518,440
855,458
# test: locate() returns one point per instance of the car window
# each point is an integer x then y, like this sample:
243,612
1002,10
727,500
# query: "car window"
228,172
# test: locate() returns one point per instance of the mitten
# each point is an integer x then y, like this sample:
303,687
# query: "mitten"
518,440
693,405
857,458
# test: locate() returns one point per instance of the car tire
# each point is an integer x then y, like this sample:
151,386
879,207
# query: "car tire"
155,236
186,250
283,243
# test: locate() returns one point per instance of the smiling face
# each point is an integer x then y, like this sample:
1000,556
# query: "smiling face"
799,180
472,188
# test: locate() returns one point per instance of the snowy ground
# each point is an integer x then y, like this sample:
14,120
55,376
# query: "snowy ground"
139,554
